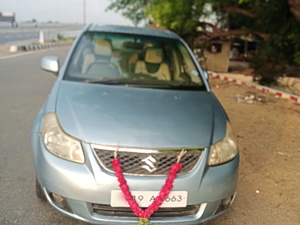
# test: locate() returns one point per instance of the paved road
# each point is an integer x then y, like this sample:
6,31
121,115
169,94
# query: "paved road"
23,88
12,37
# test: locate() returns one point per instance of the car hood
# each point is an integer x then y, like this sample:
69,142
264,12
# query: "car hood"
139,117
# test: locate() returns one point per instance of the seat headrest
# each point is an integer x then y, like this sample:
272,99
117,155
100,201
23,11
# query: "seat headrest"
154,55
102,47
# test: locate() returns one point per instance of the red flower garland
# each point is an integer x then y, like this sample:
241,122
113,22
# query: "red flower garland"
164,192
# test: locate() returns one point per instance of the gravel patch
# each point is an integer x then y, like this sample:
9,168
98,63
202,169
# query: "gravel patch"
268,130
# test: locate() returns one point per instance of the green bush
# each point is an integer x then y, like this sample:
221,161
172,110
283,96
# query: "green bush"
269,63
60,37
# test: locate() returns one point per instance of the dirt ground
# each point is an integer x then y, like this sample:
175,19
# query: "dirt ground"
268,130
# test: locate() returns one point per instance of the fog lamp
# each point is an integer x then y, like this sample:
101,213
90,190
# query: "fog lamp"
224,204
59,201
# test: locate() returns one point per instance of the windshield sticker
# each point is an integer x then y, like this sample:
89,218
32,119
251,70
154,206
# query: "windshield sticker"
194,73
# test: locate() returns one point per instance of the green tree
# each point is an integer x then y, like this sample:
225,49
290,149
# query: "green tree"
278,34
273,23
131,9
179,16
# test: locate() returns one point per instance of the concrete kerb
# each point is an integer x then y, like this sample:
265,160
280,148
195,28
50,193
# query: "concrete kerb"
31,47
277,93
9,49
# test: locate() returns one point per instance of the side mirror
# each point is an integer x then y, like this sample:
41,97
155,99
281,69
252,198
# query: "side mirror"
50,64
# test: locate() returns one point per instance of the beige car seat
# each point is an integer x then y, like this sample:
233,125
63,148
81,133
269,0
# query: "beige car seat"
89,58
153,64
99,62
102,47
132,62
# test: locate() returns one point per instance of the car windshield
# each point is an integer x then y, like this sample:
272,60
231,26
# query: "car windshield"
134,60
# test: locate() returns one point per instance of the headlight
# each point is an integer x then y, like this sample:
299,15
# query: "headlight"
224,150
58,142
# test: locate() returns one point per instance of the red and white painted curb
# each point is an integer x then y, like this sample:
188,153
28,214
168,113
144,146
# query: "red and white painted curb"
277,93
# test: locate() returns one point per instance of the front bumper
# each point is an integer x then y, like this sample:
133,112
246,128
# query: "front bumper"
82,185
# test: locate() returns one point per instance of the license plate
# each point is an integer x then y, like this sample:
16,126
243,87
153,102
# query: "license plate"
145,198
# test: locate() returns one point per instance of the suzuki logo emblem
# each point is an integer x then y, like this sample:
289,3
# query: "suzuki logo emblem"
150,161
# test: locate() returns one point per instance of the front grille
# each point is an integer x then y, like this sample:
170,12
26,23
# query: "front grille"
147,162
106,210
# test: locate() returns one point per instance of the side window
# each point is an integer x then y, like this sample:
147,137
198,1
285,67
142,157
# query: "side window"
84,48
188,65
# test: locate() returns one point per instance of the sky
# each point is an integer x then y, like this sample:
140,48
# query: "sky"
66,11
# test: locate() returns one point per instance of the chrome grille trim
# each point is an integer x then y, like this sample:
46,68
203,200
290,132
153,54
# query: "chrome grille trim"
133,159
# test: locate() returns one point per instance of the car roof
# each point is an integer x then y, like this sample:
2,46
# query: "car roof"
133,30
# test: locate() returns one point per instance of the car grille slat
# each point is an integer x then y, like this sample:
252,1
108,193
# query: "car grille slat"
106,210
139,164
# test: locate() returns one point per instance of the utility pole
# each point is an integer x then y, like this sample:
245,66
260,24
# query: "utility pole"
18,17
84,12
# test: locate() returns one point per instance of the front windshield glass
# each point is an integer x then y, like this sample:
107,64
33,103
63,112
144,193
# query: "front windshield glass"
135,60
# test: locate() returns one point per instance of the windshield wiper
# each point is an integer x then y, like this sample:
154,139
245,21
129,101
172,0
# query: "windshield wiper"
128,82
109,82
187,86
131,83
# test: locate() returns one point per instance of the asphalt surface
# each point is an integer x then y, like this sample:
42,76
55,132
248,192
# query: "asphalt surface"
12,37
23,88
